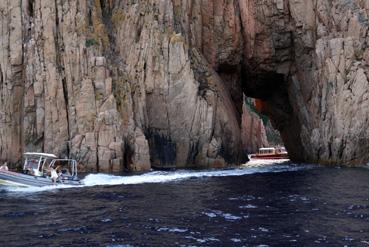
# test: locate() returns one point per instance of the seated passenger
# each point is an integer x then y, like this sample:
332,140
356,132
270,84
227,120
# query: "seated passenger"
65,172
37,173
31,168
4,167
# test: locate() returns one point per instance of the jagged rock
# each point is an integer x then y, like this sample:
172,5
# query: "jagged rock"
11,83
164,80
307,62
141,157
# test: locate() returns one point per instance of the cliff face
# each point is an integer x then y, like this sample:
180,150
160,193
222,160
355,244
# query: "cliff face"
120,84
308,61
134,84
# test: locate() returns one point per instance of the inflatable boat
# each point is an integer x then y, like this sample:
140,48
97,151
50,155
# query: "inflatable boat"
42,169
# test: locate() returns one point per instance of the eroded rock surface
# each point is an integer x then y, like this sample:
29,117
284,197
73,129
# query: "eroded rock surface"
120,84
138,84
314,56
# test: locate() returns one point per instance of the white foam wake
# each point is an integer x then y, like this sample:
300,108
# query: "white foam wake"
166,176
32,189
163,177
265,162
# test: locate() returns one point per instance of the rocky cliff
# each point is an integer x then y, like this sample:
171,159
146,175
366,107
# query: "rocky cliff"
120,84
308,61
135,84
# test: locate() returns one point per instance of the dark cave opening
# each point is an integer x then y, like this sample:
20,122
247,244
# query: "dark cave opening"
263,85
127,157
226,68
162,149
31,7
269,92
270,119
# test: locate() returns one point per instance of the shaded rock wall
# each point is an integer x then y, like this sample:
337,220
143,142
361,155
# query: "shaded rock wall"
254,135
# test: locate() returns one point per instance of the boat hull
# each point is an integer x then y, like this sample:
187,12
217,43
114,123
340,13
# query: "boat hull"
10,183
268,157
20,179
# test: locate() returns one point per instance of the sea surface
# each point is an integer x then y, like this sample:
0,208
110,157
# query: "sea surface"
268,205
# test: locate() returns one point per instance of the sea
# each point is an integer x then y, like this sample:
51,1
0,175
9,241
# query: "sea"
264,204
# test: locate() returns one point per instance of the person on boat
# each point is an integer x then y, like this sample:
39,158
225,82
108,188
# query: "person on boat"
54,174
4,167
65,172
36,172
31,168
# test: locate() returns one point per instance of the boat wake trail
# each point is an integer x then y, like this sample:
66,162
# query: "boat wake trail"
167,176
163,176
265,162
32,189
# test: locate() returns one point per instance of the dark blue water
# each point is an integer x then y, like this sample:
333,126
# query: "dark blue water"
313,206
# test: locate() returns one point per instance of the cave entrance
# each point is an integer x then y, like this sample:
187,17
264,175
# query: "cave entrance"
267,97
268,110
256,128
264,105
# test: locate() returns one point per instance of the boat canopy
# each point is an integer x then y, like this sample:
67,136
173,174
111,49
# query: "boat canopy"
41,154
38,163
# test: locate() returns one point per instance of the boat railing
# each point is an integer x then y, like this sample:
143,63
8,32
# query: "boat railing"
34,165
38,163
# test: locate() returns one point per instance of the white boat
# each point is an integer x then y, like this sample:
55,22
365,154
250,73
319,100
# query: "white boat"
270,153
38,170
